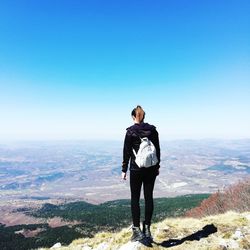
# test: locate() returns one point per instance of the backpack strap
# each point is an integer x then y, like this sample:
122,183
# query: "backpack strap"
139,137
134,153
136,134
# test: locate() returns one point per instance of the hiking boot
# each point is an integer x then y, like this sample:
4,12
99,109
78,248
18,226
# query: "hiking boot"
146,232
137,234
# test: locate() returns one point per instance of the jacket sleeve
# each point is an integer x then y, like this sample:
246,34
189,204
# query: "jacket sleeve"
127,149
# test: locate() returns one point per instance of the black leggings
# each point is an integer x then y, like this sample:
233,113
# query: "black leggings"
147,178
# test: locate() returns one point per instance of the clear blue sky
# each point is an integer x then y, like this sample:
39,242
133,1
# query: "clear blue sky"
75,69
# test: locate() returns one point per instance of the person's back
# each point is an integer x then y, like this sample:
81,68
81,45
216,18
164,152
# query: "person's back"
140,175
133,140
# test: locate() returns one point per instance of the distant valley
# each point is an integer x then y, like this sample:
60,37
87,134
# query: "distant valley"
33,173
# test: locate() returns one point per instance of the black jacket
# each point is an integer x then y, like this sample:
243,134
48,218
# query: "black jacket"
133,141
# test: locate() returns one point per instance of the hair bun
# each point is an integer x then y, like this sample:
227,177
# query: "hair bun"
139,113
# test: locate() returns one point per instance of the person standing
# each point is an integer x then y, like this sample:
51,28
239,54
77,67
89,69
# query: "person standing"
140,176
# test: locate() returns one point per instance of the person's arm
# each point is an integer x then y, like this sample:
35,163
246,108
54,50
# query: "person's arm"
127,149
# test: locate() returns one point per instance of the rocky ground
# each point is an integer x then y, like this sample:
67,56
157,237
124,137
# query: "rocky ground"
220,232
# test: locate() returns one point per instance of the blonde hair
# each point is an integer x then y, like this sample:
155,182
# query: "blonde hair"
138,113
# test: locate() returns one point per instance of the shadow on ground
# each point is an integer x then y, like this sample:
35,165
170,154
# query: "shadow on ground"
205,232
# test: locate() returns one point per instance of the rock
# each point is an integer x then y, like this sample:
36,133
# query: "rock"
234,244
130,246
237,235
57,245
86,248
229,244
223,248
248,217
102,246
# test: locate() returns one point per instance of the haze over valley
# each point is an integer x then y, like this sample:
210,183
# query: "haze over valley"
33,173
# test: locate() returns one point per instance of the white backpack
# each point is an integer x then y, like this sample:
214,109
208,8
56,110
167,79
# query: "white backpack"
146,155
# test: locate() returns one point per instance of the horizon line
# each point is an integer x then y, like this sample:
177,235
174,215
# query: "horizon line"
119,140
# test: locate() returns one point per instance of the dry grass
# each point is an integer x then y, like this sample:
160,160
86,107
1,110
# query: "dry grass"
177,228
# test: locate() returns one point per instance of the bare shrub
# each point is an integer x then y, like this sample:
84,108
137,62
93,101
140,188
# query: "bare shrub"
235,197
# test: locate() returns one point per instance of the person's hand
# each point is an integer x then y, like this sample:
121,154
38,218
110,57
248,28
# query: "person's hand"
158,172
124,176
